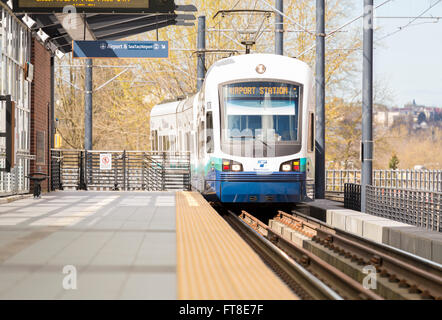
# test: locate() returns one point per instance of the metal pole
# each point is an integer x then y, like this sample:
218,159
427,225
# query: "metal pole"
201,45
367,103
320,101
88,106
52,118
279,28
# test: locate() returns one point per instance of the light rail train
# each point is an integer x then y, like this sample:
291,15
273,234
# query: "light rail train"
249,130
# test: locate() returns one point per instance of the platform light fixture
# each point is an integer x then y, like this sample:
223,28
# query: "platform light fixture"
29,21
42,35
9,3
59,54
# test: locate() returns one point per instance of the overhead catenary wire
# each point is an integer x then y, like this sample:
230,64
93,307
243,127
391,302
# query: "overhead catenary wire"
287,17
400,28
332,33
410,22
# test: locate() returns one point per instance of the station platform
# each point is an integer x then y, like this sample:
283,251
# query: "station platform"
127,245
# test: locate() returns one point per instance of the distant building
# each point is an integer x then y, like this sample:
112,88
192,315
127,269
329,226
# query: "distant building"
421,115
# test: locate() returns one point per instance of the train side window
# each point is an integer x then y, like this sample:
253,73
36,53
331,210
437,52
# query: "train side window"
192,143
311,133
166,143
209,132
201,139
154,140
188,147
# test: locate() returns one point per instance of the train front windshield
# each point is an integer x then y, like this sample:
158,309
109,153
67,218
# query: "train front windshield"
261,111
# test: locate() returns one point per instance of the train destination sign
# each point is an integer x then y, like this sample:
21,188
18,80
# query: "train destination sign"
262,89
120,49
103,6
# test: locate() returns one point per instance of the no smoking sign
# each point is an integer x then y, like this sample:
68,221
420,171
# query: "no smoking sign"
105,161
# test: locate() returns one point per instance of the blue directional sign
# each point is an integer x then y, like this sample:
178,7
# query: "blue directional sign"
120,49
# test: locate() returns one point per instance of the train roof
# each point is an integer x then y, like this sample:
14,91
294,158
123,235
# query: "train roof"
165,108
258,58
172,107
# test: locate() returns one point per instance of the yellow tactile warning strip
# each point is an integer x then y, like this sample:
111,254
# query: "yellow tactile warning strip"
214,262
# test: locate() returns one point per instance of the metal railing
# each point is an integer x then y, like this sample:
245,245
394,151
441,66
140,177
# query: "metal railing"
429,180
15,182
415,207
335,180
130,170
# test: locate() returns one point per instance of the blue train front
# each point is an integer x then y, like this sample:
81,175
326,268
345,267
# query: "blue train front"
228,183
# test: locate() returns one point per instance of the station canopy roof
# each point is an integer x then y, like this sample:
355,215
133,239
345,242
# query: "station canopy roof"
63,28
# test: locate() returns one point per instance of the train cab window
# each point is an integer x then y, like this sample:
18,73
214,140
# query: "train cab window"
209,132
311,133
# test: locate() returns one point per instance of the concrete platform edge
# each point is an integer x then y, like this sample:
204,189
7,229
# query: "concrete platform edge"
419,241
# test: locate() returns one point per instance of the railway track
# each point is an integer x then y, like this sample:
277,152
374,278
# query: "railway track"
320,262
399,275
306,282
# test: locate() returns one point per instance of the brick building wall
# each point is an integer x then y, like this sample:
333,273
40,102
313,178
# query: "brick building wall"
40,110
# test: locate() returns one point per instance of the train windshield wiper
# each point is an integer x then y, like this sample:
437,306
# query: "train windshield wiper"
241,137
253,137
262,141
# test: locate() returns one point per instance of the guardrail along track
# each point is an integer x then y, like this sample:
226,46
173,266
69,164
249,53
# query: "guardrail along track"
398,275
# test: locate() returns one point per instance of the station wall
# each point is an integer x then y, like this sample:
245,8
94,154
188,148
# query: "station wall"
41,110
20,52
15,52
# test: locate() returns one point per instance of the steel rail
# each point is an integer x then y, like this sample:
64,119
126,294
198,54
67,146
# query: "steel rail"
337,280
301,281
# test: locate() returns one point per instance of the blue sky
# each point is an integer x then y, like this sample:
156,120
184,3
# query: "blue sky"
409,62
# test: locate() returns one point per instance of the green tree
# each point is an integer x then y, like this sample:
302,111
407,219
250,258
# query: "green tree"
394,162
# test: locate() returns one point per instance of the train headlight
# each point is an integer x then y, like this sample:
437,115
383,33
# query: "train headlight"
229,165
236,167
293,165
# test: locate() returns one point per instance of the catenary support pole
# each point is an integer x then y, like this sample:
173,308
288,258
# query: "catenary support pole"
320,101
279,28
201,46
88,106
367,103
